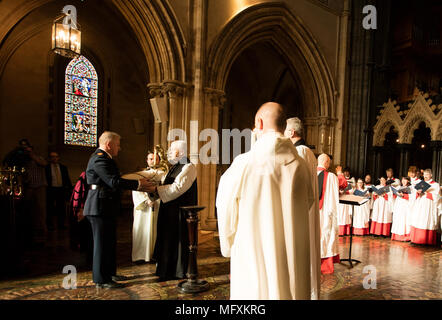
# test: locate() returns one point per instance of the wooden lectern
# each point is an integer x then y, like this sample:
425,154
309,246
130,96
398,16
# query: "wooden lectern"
353,201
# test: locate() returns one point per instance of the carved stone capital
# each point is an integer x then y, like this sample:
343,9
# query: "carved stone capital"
155,90
173,89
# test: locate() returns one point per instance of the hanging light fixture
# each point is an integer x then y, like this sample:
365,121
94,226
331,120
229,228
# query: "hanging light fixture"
66,34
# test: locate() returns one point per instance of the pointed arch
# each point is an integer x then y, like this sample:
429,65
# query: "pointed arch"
412,124
381,130
160,37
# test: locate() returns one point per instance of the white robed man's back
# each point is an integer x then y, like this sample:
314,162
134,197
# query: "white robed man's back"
263,206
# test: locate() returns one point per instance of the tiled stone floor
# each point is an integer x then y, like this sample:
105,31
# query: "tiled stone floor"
403,271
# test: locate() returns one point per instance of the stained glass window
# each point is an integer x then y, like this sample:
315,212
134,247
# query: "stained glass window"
80,116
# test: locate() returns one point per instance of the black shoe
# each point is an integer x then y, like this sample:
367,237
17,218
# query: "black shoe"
108,285
119,278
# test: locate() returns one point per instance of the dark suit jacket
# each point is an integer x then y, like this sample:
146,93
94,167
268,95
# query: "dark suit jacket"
103,172
65,179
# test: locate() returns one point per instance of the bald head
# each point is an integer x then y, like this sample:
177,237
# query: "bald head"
270,117
324,161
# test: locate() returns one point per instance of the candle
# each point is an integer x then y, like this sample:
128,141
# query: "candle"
322,138
329,140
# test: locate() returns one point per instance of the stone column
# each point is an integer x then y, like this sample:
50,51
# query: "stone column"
174,91
326,137
377,153
404,159
214,102
340,95
437,160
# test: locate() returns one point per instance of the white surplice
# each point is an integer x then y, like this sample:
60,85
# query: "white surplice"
315,232
144,231
263,204
329,217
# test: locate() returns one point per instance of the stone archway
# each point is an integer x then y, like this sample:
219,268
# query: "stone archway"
275,23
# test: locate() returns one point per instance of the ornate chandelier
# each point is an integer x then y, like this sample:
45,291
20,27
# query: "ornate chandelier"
66,34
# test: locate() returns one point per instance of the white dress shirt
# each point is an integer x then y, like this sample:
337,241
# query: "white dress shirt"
56,175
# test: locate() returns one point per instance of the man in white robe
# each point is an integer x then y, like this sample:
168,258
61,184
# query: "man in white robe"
144,231
424,222
294,131
263,204
328,186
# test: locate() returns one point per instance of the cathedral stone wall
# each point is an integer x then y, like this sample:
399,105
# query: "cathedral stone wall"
32,95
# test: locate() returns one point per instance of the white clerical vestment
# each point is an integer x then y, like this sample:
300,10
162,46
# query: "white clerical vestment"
400,228
315,231
328,213
382,215
144,231
263,204
424,222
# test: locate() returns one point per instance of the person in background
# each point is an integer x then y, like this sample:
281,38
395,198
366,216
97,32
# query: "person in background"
35,194
344,210
391,180
294,131
361,213
367,186
328,186
382,211
350,180
400,229
413,173
425,213
144,230
80,228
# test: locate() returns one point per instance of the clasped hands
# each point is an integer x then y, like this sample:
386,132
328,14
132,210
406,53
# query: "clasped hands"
146,185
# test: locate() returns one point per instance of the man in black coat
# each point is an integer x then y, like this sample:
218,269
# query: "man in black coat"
102,207
58,191
179,189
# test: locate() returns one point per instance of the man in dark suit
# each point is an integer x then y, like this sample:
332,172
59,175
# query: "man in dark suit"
58,191
102,207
